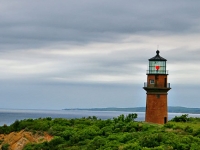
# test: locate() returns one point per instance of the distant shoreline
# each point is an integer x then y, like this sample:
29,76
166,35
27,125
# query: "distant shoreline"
171,109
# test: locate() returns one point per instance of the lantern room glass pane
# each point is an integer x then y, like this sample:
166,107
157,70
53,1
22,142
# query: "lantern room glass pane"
157,67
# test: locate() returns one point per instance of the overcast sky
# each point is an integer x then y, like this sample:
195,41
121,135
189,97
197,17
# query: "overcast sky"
84,54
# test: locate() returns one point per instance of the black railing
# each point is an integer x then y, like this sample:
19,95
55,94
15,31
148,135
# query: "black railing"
156,85
157,71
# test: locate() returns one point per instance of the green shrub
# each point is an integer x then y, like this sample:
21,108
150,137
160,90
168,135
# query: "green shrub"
55,142
131,146
182,118
197,133
168,125
5,147
188,129
151,140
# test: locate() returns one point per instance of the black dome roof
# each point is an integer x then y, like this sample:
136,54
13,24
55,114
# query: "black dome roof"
157,57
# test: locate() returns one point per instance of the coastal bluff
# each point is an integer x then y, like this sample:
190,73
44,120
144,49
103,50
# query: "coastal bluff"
17,140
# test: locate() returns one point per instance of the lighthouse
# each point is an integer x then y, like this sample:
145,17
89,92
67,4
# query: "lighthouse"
156,89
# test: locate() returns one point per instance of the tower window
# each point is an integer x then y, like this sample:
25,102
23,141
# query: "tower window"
158,95
151,81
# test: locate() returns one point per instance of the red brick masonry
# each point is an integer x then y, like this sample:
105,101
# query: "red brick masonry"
156,99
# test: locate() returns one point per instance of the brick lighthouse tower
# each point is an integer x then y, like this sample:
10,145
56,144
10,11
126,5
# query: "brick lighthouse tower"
156,89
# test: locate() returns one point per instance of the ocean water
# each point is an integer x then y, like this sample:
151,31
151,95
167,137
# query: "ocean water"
9,116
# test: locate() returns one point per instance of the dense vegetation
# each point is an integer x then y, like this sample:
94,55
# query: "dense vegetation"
121,133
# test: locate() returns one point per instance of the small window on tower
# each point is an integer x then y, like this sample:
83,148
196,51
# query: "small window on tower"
151,81
158,95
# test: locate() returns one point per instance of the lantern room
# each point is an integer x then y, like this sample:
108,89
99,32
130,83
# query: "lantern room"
157,65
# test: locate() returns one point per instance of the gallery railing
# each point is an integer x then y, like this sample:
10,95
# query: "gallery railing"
157,71
148,85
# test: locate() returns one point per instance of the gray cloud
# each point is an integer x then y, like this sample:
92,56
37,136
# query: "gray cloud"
29,24
47,46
